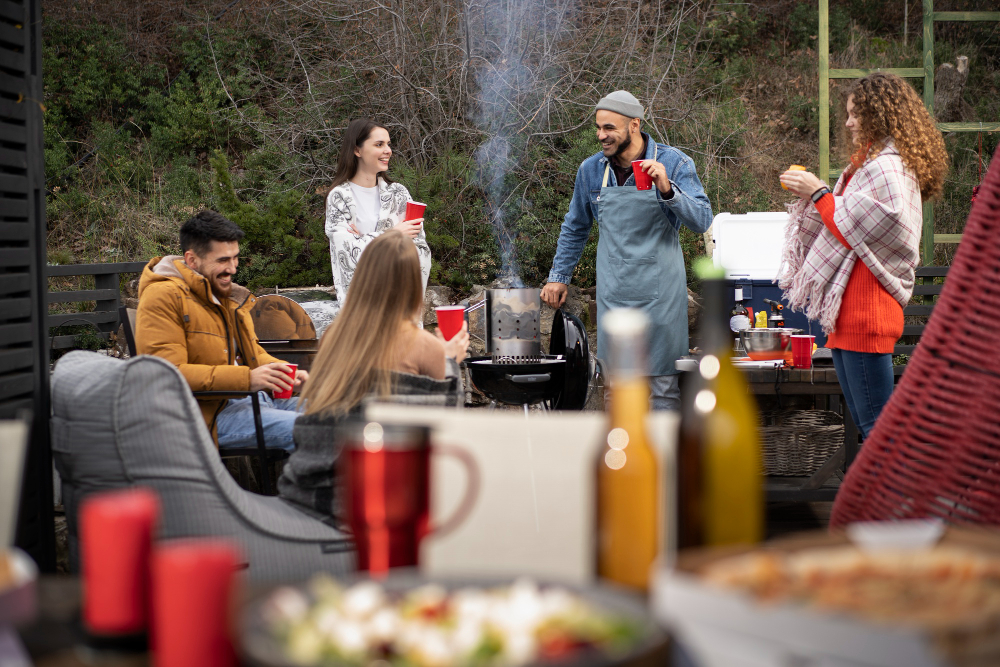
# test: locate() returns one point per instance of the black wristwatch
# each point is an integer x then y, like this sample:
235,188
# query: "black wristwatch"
816,196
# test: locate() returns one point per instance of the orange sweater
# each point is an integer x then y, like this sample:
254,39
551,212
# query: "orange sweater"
870,320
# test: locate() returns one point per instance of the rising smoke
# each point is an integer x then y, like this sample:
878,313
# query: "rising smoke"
508,103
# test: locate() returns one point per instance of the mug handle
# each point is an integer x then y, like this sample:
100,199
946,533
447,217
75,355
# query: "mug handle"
471,489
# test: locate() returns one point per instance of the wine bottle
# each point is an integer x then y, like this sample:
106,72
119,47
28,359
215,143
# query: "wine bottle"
738,318
628,503
719,497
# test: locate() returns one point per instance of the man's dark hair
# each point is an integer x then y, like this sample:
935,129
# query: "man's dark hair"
206,226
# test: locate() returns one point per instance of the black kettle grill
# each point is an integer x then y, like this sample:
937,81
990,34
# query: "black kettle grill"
559,380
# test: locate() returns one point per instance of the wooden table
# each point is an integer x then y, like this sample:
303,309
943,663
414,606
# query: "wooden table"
817,381
56,638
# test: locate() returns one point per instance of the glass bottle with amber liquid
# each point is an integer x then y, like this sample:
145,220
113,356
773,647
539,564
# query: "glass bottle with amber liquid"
720,496
628,501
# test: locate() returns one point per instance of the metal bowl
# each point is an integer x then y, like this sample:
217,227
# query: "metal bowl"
765,344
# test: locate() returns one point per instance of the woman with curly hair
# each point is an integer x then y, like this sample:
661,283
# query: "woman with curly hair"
364,202
850,254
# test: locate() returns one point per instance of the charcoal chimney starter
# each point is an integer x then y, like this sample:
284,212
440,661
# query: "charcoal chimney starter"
512,325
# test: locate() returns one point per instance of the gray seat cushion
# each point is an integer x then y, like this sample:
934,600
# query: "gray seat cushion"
123,423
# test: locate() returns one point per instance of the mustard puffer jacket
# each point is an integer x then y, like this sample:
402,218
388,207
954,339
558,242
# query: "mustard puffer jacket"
211,342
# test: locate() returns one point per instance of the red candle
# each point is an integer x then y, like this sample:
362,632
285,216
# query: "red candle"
116,531
193,597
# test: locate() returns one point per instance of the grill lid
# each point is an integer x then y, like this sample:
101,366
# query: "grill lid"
569,340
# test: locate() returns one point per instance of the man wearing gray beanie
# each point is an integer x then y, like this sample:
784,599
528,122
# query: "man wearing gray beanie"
639,258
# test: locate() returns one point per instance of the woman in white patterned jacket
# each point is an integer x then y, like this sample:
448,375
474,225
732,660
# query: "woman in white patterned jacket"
364,202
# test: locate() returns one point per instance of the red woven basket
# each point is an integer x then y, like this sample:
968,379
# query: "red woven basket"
935,448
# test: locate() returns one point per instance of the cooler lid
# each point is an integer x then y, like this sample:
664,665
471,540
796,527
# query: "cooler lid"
749,245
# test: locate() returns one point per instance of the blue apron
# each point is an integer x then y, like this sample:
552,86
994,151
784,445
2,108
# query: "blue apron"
640,265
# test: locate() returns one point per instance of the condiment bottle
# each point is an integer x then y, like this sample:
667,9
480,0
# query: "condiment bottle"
719,495
628,504
739,320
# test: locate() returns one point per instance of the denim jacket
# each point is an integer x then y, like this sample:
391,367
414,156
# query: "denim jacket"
689,205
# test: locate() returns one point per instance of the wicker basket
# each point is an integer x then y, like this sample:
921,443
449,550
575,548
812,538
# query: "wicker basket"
797,442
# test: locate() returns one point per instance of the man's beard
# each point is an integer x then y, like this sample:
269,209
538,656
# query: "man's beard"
623,146
220,290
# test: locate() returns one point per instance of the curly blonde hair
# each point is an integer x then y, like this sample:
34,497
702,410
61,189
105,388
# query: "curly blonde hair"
887,106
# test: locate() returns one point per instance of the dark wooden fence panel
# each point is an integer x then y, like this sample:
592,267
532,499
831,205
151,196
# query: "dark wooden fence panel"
24,367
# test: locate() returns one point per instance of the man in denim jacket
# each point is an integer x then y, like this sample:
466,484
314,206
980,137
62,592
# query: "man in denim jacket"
639,258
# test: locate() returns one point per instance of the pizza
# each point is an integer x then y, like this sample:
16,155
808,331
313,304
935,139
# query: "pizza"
936,588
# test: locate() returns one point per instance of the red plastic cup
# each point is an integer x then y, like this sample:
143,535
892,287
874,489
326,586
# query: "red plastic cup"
643,181
193,603
802,351
414,210
288,392
450,320
116,533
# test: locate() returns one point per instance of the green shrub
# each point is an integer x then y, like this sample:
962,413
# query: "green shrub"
283,245
803,26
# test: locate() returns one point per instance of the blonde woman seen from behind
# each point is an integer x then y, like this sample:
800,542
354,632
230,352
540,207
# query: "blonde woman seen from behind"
374,349
364,202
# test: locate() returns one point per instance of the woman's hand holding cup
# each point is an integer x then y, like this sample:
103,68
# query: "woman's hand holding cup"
457,347
410,227
801,182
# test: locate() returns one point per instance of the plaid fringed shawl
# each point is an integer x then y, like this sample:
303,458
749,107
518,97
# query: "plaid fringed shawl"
880,215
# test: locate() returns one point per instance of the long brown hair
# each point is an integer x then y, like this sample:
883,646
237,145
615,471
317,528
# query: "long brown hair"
887,106
359,348
355,135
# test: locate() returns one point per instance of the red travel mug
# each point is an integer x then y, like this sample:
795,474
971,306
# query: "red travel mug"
193,603
116,532
414,210
643,181
386,500
288,392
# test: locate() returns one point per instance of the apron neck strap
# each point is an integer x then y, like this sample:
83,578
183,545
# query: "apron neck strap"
607,167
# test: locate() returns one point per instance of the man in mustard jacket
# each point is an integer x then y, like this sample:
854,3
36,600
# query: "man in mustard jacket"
192,314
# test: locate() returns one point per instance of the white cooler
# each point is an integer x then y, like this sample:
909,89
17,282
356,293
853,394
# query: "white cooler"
748,246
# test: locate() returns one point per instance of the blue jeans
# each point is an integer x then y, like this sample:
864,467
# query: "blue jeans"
235,422
866,380
665,392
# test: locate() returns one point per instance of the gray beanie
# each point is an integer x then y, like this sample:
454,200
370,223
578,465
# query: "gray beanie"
623,102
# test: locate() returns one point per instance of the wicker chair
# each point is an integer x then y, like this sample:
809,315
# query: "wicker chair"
935,449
